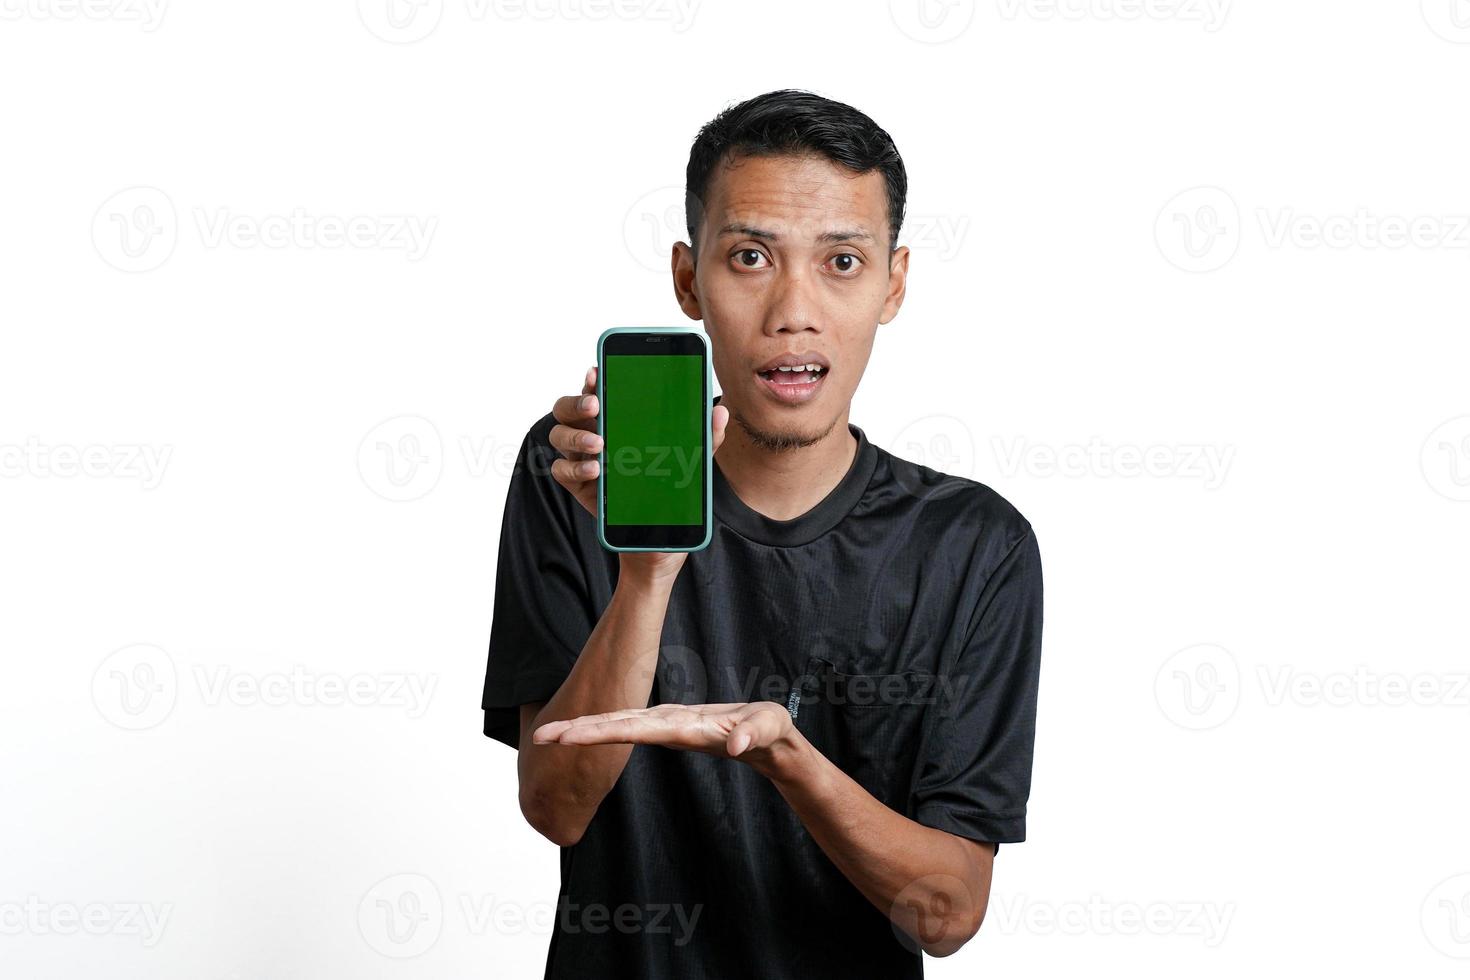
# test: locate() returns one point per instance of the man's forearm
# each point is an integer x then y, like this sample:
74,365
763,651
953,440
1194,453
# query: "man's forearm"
562,786
933,885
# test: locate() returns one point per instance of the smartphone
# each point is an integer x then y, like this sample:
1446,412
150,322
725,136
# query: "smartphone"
654,485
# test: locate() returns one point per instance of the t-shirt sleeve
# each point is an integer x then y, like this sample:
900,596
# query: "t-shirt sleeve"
974,773
543,610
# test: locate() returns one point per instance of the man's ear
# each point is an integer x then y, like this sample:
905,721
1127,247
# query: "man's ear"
685,289
898,279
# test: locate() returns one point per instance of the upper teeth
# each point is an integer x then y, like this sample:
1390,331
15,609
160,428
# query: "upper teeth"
801,367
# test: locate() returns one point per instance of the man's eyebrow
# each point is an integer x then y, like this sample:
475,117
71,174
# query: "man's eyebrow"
747,231
824,239
844,236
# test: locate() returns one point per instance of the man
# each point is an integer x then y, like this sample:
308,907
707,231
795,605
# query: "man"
795,753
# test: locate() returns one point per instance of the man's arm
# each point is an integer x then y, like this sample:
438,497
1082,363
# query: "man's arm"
933,885
561,787
560,790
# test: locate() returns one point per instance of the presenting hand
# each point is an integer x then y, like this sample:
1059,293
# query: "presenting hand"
753,732
575,436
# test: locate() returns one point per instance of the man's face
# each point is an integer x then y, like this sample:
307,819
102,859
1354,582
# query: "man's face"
793,259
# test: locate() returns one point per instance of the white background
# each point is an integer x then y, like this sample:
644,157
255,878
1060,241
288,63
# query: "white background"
1228,240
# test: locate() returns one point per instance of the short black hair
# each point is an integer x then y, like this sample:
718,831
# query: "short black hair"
793,121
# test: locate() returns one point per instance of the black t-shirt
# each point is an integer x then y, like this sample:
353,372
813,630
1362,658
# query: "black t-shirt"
899,619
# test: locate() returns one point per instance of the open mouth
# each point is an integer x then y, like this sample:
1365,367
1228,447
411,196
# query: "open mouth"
794,384
804,374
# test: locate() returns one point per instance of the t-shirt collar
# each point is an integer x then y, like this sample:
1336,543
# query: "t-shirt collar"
825,515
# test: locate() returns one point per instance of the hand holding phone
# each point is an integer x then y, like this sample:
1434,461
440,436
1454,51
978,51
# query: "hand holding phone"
655,483
576,437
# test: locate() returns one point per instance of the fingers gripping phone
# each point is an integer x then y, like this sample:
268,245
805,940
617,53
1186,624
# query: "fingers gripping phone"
654,480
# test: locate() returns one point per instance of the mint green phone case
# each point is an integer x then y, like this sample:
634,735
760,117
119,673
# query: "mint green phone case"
709,476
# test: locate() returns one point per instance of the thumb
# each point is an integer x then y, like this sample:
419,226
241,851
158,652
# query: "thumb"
718,419
741,737
755,729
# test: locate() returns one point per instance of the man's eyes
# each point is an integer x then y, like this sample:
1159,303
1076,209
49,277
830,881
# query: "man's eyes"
845,264
747,258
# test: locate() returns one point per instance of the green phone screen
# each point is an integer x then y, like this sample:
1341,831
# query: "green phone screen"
654,428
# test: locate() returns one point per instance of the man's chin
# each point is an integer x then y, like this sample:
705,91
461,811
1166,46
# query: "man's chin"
779,435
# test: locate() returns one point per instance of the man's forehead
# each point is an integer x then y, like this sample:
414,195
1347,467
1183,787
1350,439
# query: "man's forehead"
798,198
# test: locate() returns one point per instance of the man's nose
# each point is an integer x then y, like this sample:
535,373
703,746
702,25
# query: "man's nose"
794,306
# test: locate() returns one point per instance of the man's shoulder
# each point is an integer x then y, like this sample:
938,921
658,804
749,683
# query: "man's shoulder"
955,502
539,433
536,452
531,470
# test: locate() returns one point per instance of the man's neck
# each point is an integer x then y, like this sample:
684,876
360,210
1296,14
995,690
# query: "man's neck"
785,485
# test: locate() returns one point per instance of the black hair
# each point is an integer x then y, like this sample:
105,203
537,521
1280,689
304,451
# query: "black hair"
792,121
